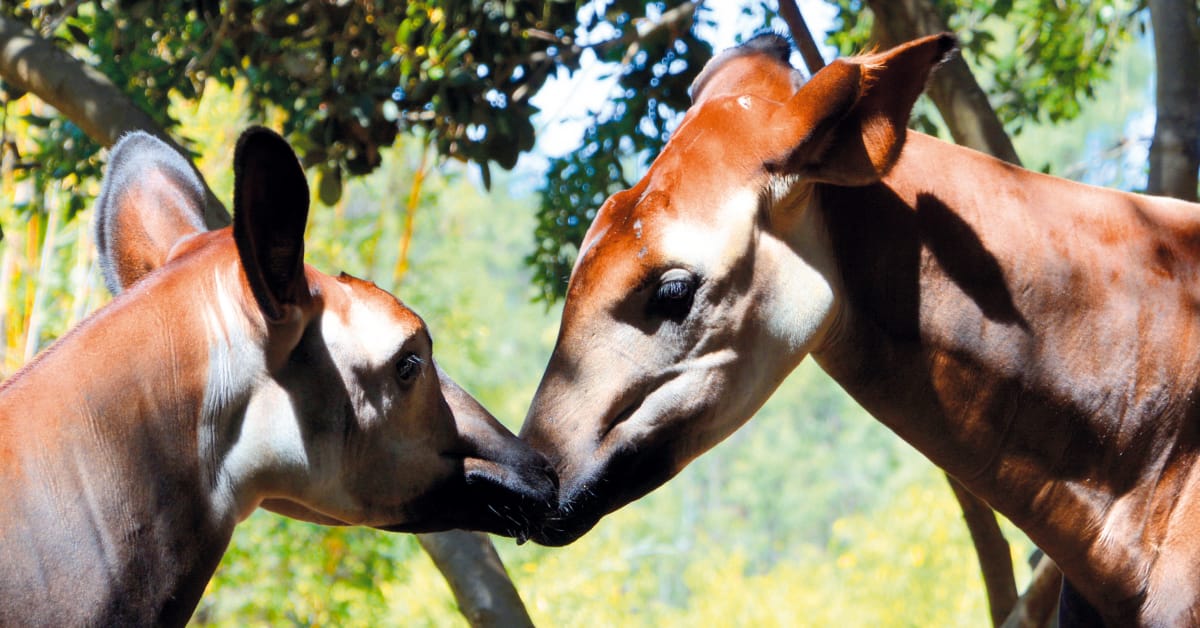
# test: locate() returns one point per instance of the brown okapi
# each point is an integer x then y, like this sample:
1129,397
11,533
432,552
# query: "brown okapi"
1037,338
227,375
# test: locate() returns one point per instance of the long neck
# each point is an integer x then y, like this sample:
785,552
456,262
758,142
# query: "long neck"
106,518
997,320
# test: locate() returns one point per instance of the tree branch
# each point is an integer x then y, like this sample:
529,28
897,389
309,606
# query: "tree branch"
677,18
995,558
83,94
485,594
1036,606
801,35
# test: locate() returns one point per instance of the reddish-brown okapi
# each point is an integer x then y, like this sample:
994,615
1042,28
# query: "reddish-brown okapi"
226,376
1036,338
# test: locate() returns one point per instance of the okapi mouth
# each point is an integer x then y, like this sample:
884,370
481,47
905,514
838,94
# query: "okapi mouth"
632,471
487,497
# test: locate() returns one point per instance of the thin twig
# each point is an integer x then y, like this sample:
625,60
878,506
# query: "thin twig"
50,24
410,212
205,60
801,35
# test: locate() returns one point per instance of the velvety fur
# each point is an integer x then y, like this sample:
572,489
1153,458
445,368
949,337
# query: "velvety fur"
224,376
1037,338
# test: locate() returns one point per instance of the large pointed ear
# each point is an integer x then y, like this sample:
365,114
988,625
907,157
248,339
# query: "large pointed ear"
149,201
848,124
270,212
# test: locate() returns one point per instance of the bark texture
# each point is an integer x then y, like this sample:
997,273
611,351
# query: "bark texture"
1175,150
485,594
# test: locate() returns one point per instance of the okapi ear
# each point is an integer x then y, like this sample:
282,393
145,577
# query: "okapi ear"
849,122
149,201
270,212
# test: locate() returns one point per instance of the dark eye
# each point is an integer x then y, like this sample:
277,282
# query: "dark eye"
673,295
408,367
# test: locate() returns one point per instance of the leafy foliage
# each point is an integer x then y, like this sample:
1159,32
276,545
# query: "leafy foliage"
348,76
633,125
1038,59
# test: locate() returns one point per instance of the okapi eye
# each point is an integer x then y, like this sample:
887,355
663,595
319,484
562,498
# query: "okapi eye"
408,367
673,296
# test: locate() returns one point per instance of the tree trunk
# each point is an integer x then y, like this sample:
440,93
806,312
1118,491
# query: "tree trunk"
89,99
1175,151
959,98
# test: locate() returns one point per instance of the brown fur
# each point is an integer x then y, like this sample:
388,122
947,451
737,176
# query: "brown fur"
1037,338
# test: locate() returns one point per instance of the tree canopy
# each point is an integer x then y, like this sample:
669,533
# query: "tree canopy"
347,77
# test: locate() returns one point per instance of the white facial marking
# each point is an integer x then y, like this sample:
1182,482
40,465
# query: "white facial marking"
369,336
637,228
707,248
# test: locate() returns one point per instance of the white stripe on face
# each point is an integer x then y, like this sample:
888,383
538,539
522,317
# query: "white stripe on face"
369,335
702,245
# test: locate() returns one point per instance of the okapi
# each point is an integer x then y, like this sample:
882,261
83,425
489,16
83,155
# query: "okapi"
225,376
1038,339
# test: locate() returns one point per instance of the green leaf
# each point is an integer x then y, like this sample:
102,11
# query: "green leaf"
329,189
78,34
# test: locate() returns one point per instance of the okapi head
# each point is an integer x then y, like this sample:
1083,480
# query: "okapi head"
698,290
318,396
